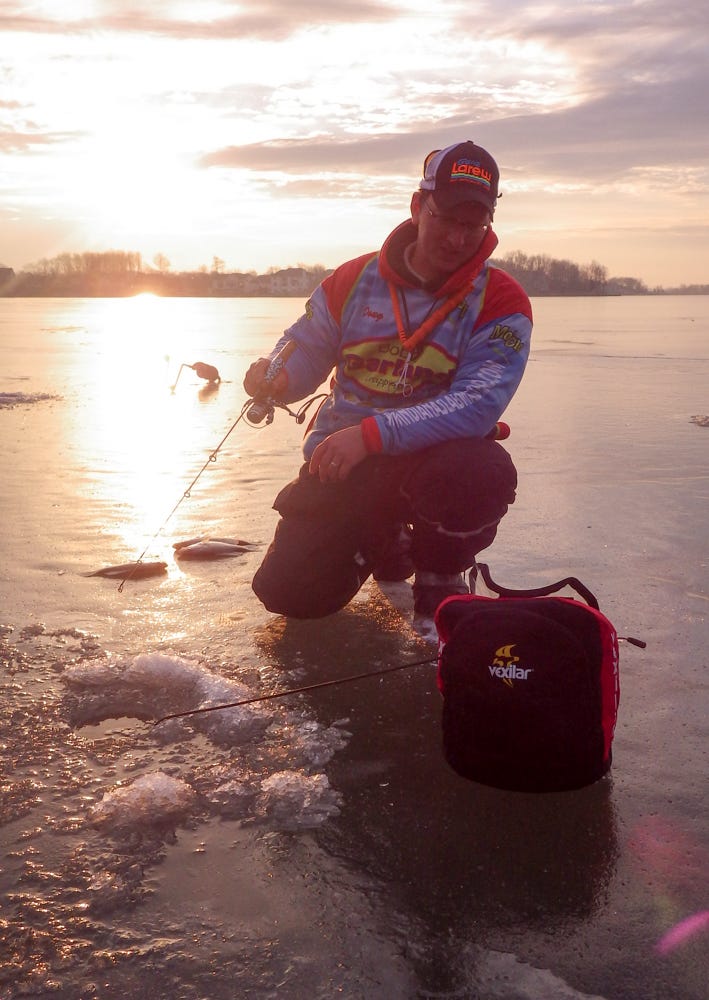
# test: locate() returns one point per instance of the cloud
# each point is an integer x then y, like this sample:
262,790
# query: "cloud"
593,26
613,106
639,127
14,141
640,73
273,21
628,98
620,46
326,153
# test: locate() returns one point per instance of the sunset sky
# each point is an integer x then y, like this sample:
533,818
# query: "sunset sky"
285,132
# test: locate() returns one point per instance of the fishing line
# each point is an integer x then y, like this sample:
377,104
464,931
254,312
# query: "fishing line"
212,458
253,412
298,690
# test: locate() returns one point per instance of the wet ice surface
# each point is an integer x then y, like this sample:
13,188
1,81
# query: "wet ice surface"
115,795
318,845
154,821
152,686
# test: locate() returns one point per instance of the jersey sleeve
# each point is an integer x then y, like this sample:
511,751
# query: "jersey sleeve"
318,332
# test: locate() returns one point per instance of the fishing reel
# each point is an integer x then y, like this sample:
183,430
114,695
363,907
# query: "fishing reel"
262,405
260,410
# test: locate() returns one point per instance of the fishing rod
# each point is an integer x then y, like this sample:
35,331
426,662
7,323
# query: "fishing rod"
257,409
298,690
212,458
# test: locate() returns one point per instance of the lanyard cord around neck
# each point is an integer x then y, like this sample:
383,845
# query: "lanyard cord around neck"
437,316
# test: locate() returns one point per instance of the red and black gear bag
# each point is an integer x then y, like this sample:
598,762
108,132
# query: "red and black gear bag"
530,686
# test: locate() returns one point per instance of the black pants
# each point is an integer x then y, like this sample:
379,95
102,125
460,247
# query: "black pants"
453,495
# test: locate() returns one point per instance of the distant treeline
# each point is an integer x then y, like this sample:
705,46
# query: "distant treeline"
116,273
542,275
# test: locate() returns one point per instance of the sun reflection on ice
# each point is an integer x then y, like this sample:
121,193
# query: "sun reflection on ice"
147,442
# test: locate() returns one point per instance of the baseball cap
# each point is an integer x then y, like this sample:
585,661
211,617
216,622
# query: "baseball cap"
460,173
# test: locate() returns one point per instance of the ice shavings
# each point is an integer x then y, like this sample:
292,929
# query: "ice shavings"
232,799
497,972
151,800
286,800
261,762
290,800
309,744
153,685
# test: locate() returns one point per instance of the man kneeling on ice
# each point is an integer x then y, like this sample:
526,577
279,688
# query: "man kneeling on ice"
428,343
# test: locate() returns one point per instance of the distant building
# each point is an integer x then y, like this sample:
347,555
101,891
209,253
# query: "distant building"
291,281
234,284
288,281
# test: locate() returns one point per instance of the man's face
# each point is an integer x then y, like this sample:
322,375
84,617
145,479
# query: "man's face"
446,239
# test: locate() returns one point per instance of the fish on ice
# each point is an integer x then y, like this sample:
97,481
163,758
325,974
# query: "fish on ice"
207,547
133,571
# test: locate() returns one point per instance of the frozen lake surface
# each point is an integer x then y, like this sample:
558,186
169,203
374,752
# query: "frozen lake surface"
318,845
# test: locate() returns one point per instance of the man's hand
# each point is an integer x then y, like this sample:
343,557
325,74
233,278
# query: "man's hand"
254,380
336,456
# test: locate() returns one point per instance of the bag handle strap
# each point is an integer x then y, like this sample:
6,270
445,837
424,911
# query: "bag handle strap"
552,588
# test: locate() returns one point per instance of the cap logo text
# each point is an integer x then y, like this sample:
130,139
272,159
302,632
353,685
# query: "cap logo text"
470,170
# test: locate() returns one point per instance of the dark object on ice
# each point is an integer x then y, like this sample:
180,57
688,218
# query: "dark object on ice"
132,571
205,371
207,547
701,419
530,687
